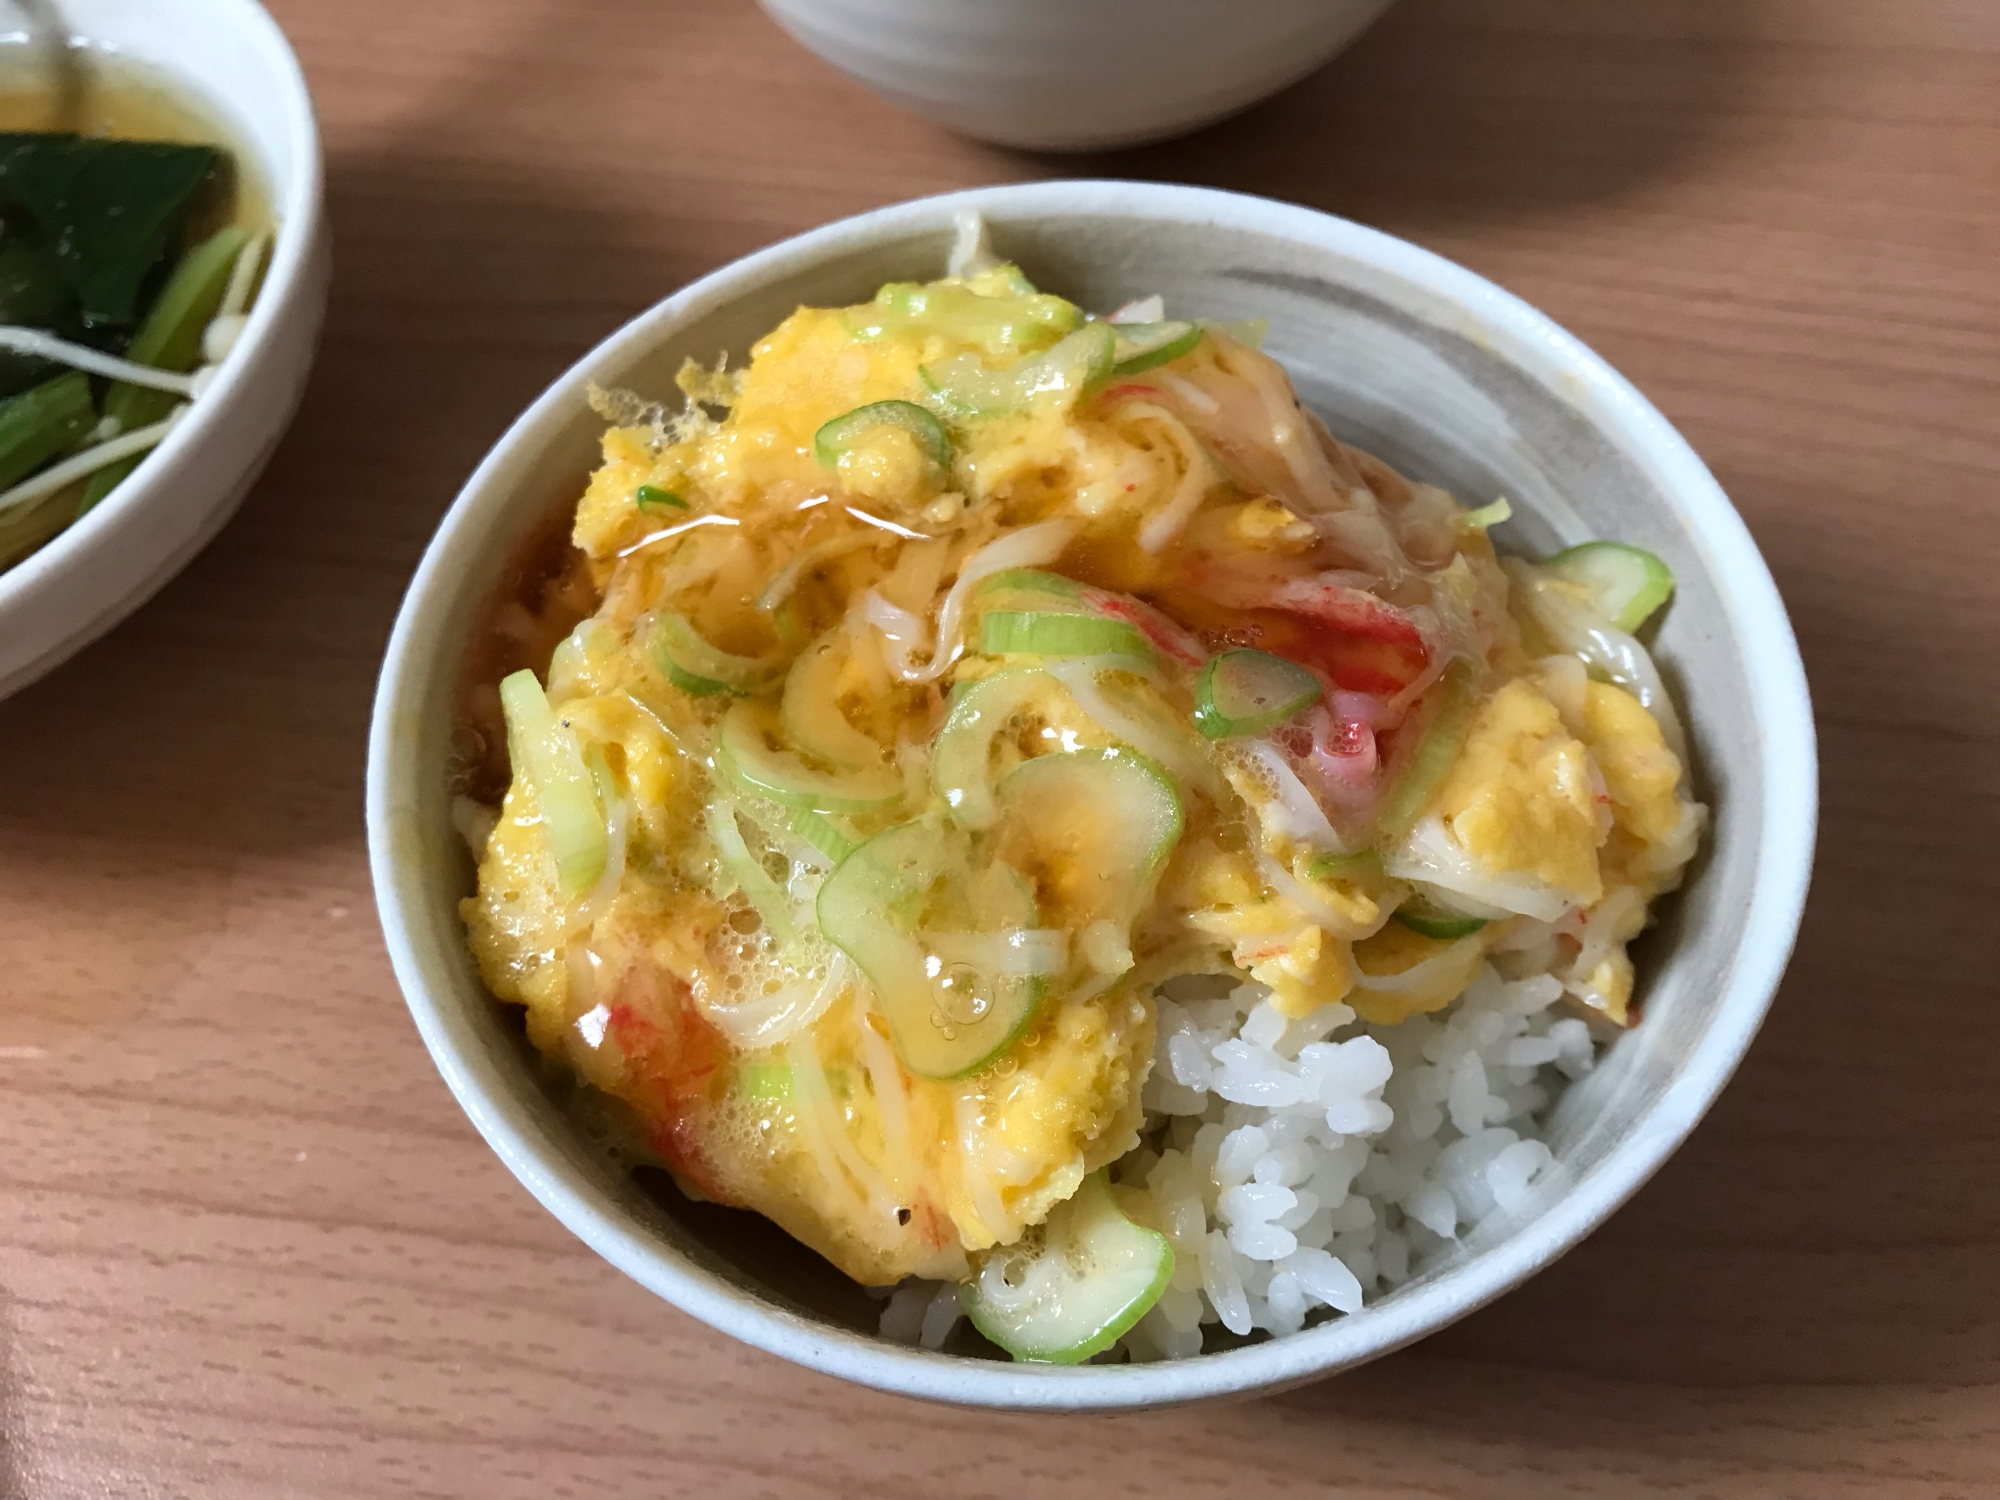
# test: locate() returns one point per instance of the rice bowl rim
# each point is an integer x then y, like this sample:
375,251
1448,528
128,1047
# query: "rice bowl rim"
517,1128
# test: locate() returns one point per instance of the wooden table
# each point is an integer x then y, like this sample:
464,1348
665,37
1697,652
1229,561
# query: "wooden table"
248,1246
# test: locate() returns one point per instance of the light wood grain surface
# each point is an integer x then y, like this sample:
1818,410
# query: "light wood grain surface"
248,1246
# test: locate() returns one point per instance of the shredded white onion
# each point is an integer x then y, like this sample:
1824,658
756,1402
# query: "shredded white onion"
1361,533
1080,675
1302,818
972,1166
903,634
1141,310
1600,928
1564,680
1197,476
1600,644
617,827
1019,952
824,1129
475,822
971,246
583,963
1303,896
885,1078
1419,976
1027,548
775,1018
1431,856
779,589
1188,392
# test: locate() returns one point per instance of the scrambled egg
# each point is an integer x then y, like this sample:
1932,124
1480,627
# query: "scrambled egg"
1519,798
1562,788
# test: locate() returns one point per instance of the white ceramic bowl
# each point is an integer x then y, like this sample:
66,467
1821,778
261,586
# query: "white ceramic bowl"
1071,75
234,62
1442,373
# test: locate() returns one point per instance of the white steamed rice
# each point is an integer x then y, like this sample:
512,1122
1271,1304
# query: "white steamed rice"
1302,1165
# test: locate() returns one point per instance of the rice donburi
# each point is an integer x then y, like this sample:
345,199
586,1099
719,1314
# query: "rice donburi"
1031,812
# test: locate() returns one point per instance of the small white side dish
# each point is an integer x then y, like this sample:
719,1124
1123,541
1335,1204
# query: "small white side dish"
234,63
1444,375
1060,75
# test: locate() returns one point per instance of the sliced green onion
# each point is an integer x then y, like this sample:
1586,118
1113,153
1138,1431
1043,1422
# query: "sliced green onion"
745,758
758,888
965,387
766,1082
1436,753
652,497
168,339
1246,692
1364,866
1432,921
547,756
1487,516
1249,331
1093,1275
826,837
843,432
1142,346
1107,819
1004,326
821,832
879,907
961,755
1004,632
1006,279
810,709
1625,584
694,666
1031,581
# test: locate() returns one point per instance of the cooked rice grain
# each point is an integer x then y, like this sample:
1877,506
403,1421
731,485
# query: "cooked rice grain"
1302,1168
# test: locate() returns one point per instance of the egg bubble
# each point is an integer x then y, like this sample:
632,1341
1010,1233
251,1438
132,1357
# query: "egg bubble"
963,995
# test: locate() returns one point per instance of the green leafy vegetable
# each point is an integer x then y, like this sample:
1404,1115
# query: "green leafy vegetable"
169,339
42,422
33,294
109,210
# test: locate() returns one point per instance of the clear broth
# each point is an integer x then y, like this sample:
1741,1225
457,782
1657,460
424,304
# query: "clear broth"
99,94
81,89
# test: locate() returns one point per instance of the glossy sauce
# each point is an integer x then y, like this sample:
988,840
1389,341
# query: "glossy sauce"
543,592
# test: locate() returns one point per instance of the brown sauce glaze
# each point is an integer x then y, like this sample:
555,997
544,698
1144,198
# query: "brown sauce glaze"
545,589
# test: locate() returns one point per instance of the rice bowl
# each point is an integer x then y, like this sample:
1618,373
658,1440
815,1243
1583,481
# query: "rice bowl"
1471,1076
